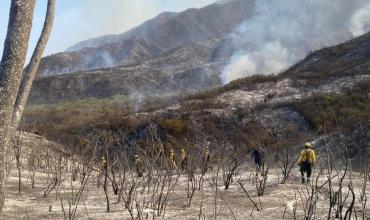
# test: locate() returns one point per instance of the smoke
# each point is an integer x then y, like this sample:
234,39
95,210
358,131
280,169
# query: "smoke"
280,33
360,21
136,99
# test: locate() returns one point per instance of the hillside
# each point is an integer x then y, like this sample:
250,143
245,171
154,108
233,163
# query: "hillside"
326,93
174,53
184,69
171,72
188,69
159,35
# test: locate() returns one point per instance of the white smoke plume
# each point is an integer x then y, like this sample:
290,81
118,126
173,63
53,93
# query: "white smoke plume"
280,33
136,99
360,22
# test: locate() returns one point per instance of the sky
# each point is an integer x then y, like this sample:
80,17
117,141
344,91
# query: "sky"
78,20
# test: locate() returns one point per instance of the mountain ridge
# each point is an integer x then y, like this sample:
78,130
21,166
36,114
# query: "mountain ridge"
154,37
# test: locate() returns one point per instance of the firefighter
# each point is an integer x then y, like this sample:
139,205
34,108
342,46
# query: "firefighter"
257,156
139,166
184,160
103,163
206,159
306,162
172,159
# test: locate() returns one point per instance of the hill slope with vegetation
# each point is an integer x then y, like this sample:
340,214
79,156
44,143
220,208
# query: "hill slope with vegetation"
326,93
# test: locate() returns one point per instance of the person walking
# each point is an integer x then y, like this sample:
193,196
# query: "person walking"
257,156
206,159
184,160
103,163
138,166
306,162
172,159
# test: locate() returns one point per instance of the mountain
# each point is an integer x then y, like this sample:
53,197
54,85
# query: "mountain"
184,69
325,99
192,68
159,35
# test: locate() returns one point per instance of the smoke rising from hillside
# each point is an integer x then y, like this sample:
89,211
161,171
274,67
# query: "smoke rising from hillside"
283,32
360,22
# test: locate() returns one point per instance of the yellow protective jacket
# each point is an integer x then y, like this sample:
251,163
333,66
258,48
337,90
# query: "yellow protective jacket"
183,154
104,162
206,156
172,160
307,155
137,161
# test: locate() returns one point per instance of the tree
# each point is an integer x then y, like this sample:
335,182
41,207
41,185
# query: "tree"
13,93
33,66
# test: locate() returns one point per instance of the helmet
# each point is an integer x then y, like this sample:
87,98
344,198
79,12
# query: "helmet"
308,145
136,156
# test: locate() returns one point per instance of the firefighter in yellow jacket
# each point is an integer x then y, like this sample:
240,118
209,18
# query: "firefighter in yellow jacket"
184,160
206,159
138,166
172,159
103,162
306,162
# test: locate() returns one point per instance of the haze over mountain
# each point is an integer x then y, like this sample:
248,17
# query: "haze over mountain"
166,32
198,49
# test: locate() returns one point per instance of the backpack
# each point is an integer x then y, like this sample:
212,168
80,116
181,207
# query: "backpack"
307,155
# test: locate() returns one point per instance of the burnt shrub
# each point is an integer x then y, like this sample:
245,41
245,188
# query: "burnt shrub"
174,126
334,112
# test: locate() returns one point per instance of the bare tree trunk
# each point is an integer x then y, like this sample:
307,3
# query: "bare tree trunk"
105,186
33,66
11,67
11,70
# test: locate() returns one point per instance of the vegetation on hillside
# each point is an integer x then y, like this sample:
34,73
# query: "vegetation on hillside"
328,113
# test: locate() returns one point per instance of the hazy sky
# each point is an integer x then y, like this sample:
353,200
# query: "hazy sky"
78,20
